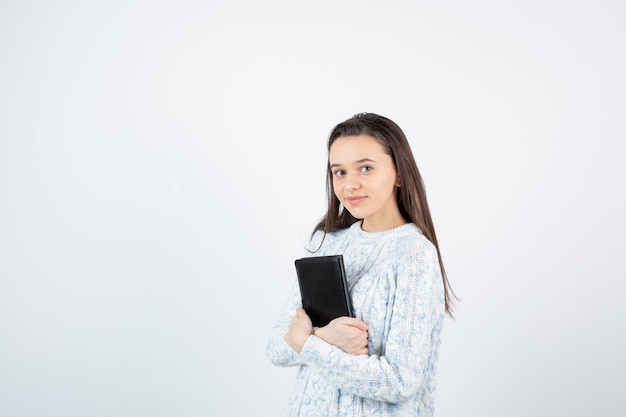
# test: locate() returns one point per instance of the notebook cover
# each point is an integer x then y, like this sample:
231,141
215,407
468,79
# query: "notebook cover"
323,288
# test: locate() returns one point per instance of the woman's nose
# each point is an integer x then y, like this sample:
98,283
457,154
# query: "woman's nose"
353,182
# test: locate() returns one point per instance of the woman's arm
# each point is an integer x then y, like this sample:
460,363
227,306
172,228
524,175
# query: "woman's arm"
277,350
347,333
412,343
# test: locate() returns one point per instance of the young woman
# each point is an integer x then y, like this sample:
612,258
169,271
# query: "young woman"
383,362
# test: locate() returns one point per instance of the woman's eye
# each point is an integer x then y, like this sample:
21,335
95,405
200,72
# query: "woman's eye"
365,169
338,173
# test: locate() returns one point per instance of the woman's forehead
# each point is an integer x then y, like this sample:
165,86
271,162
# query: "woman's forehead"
351,149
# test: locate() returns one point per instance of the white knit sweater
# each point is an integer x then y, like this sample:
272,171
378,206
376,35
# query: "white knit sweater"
396,287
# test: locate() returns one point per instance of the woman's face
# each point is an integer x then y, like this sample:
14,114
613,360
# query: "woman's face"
364,181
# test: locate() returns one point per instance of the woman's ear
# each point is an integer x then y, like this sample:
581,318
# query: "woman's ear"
398,181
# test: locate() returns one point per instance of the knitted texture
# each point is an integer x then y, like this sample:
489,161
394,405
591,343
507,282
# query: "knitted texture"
396,288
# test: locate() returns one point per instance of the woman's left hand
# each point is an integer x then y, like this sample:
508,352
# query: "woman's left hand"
299,330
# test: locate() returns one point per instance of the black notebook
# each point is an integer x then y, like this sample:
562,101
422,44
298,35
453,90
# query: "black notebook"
323,288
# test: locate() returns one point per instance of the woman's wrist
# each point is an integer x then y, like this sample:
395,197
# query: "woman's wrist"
296,343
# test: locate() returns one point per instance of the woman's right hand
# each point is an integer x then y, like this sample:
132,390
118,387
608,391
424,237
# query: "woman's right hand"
347,333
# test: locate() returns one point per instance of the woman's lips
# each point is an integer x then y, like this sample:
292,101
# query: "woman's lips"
355,200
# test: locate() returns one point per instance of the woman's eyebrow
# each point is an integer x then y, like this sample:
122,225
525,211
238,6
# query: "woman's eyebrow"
359,161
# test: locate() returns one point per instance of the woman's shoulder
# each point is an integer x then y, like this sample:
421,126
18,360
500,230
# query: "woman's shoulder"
321,239
412,240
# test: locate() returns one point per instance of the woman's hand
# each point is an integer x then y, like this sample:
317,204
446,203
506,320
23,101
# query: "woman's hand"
299,330
347,333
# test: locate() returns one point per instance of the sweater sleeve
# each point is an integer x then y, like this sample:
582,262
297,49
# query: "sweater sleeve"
277,350
411,346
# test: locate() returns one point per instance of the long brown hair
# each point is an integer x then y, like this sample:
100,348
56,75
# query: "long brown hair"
411,195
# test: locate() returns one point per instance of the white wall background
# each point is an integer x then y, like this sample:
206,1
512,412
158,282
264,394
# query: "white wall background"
162,162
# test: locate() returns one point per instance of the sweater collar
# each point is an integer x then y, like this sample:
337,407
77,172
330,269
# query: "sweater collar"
357,232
